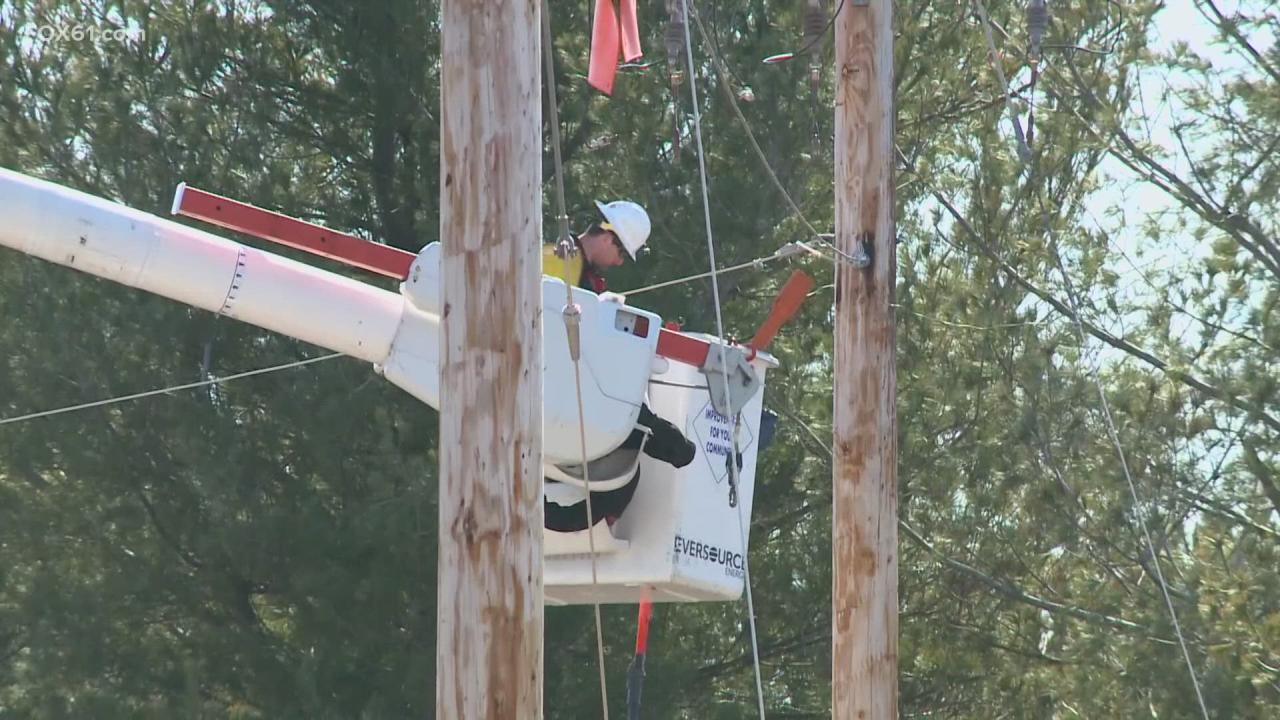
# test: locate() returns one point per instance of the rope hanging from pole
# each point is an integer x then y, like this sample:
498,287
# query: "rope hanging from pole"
572,316
715,289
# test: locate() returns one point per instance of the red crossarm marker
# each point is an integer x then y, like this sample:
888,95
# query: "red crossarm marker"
268,225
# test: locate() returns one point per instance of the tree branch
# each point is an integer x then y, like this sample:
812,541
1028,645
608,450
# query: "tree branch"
1263,248
1260,470
1118,343
1013,592
1237,226
1212,507
1237,188
191,560
1229,27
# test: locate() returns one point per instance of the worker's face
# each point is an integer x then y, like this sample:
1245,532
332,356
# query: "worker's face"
604,250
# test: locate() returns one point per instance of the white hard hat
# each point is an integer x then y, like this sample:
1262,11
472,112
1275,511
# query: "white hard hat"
629,222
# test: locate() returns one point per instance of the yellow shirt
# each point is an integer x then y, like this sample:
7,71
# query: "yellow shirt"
569,270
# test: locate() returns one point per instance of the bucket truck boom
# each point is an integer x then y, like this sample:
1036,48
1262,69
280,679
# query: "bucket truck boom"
398,332
680,535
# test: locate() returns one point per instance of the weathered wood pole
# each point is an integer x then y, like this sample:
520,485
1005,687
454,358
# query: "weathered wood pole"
865,516
489,629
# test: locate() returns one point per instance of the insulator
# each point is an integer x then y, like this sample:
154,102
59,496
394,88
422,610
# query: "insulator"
674,36
815,26
1037,24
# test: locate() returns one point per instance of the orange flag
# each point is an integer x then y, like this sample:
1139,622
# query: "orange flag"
612,32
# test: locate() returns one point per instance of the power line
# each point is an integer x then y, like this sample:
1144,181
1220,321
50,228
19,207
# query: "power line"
1114,435
163,391
789,250
715,290
722,73
1024,152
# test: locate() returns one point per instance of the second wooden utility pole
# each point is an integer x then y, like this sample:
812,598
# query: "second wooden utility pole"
865,516
489,626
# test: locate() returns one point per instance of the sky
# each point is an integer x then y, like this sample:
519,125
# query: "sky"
1124,202
1180,22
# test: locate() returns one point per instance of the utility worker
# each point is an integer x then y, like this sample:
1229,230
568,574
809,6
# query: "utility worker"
565,506
622,234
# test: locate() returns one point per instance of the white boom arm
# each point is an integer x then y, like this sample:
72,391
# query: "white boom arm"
400,333
131,247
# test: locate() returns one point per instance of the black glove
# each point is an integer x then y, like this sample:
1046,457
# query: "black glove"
666,442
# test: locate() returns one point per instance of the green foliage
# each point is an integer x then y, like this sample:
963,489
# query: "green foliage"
266,548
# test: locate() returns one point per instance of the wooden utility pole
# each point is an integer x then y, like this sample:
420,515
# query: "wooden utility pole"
865,517
489,626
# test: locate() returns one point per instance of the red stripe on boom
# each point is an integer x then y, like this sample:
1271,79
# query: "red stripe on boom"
268,225
681,347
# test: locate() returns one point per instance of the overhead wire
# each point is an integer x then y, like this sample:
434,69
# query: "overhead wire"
791,249
164,391
1073,300
723,74
1114,435
1024,150
572,319
715,291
